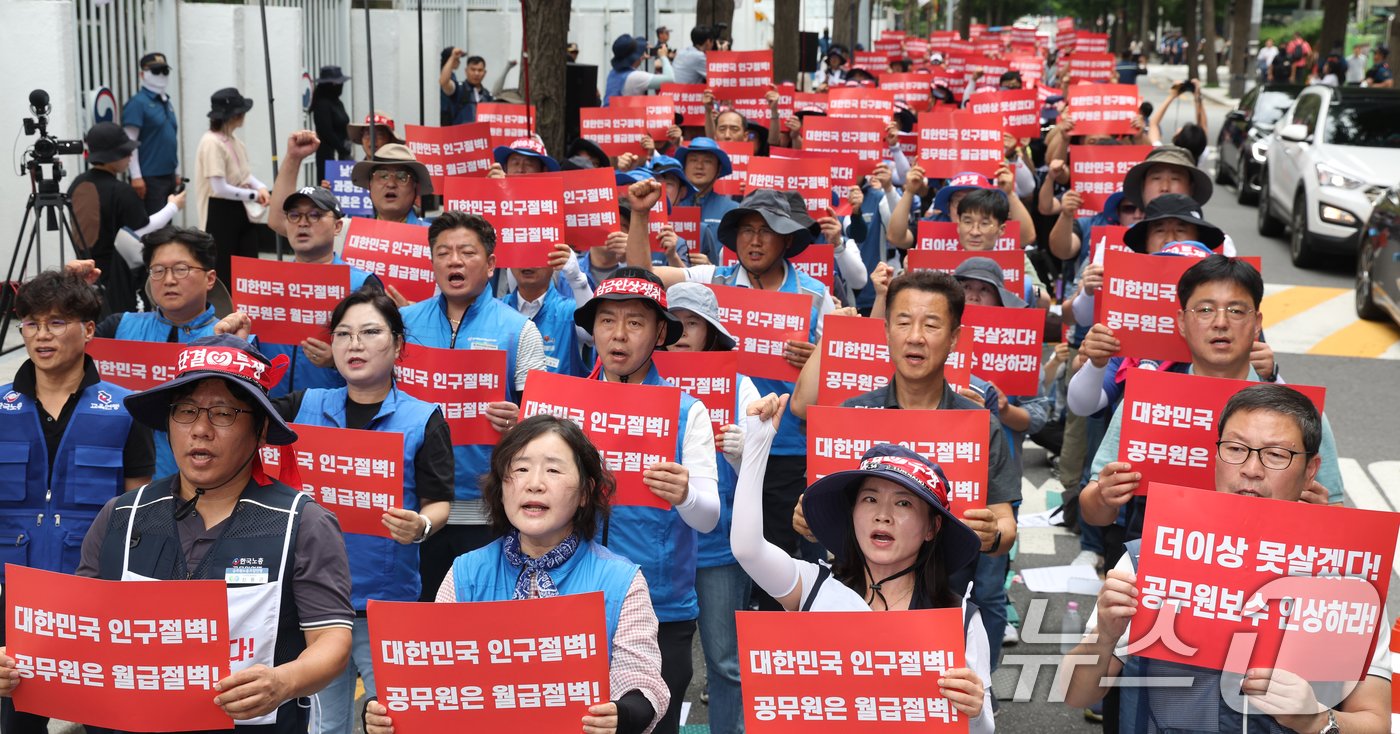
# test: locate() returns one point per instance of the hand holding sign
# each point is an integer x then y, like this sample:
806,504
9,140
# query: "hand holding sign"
669,481
1117,483
252,692
1117,604
1100,345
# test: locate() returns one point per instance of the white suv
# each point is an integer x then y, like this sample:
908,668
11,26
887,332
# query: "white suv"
1333,153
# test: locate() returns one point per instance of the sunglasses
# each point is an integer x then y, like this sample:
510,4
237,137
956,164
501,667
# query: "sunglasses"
161,69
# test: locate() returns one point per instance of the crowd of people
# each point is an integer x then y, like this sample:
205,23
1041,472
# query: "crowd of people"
169,484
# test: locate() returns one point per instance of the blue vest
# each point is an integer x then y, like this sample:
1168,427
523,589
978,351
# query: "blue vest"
152,326
792,432
381,568
303,375
613,86
659,540
713,207
484,575
487,324
870,246
555,320
1197,709
44,517
714,548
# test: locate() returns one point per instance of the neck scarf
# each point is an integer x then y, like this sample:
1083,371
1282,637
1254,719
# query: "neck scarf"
537,569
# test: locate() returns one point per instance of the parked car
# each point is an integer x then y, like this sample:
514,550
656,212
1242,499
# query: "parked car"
1333,153
1244,137
1378,261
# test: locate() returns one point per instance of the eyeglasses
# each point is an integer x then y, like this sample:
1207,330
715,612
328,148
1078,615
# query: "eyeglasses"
1126,208
180,271
313,216
1206,314
55,327
366,336
384,176
760,232
219,415
1272,457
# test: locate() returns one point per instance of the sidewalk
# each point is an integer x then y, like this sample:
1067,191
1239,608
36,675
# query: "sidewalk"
1164,75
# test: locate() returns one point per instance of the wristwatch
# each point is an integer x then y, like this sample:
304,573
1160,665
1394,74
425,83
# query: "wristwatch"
1331,727
996,543
427,529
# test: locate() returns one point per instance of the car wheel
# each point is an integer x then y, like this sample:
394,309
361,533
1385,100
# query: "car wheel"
1366,308
1264,220
1244,192
1300,247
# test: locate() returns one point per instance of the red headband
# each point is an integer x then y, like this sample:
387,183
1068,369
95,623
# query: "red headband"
632,286
235,362
916,470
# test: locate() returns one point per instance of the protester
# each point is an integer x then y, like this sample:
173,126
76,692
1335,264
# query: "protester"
330,119
1192,135
382,126
526,155
689,66
628,320
1270,437
465,315
552,312
1168,169
99,193
547,494
721,586
836,59
72,444
458,99
705,163
395,180
894,538
626,78
231,199
367,336
149,119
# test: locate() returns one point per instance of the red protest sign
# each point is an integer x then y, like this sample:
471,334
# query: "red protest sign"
1097,171
633,426
875,62
689,102
1031,68
1065,41
288,301
461,382
135,365
943,236
953,141
739,74
456,150
1064,24
739,153
1090,69
817,261
941,40
916,48
357,475
1090,43
855,358
1012,262
956,440
1305,584
658,111
809,100
1169,424
810,178
762,321
1103,109
396,252
1006,346
913,89
615,130
685,220
755,107
527,212
590,207
1104,237
508,122
529,665
1018,108
710,377
1023,35
875,104
843,166
820,672
860,136
128,655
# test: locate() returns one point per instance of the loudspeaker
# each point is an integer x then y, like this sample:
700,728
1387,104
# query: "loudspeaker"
809,52
580,90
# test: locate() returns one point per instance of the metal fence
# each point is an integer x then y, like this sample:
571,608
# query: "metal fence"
112,36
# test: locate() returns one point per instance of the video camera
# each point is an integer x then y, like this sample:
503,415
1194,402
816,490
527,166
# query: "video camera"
47,148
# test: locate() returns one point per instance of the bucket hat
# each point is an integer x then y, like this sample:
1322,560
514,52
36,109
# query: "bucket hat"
227,104
393,154
108,142
701,301
780,214
986,270
528,147
1173,206
1201,186
707,145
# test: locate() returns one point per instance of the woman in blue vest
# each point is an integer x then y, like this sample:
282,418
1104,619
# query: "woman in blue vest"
895,539
367,337
721,585
546,493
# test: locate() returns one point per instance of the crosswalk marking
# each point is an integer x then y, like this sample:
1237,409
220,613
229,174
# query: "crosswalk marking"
1322,321
1037,541
1363,492
1387,476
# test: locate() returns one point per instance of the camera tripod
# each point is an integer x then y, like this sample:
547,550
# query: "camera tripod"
50,205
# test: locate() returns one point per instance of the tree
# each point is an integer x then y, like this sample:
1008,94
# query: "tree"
1193,41
547,31
1334,27
1239,48
845,23
963,17
713,12
786,44
1212,60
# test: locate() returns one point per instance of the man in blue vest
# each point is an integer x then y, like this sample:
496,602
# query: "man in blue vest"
1270,437
705,162
69,444
629,321
149,119
765,231
536,297
465,315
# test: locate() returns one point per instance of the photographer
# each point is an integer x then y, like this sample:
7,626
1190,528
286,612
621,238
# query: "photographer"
1192,135
100,197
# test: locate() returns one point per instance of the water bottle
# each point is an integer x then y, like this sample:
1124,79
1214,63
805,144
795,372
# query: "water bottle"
1071,628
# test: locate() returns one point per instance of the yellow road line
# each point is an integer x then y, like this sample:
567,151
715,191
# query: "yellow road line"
1360,339
1290,302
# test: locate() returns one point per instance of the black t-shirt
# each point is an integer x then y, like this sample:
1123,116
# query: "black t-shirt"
139,454
119,207
432,465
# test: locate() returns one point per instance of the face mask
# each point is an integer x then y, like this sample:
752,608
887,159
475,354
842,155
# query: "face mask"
155,82
583,161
